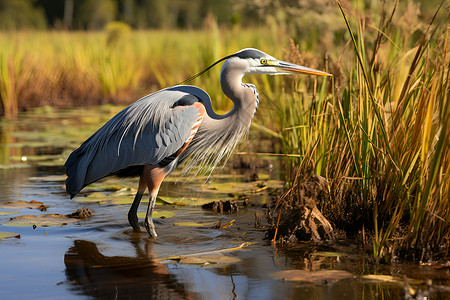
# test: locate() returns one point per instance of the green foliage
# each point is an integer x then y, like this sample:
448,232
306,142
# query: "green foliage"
20,14
95,14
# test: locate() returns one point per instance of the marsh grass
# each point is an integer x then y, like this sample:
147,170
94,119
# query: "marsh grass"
381,139
400,143
116,65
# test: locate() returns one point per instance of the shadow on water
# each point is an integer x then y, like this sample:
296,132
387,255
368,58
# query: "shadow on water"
118,277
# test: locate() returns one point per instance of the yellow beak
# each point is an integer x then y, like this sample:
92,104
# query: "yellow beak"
288,68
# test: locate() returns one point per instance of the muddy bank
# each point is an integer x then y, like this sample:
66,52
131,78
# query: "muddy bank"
296,217
311,212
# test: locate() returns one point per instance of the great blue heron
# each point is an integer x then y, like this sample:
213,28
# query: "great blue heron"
155,134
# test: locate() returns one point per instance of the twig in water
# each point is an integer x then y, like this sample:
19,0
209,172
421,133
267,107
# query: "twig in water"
206,253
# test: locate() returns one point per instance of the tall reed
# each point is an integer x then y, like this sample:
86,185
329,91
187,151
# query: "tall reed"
380,135
382,141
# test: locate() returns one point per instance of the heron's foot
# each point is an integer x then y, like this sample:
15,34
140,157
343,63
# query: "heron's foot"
134,221
150,227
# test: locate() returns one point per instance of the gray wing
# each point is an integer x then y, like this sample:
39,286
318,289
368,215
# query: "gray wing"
144,133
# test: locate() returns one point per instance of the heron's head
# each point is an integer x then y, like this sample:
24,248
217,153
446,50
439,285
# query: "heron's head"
254,61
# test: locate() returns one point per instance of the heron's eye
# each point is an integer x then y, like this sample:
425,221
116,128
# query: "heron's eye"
264,61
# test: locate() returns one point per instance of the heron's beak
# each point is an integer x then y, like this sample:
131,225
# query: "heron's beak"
288,68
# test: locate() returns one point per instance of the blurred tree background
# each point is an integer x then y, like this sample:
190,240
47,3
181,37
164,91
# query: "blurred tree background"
164,14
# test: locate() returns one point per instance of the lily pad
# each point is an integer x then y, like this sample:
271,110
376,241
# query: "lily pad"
46,220
5,235
50,178
312,276
391,279
188,224
166,200
24,204
263,176
4,213
209,259
326,254
158,214
122,199
103,186
180,201
118,198
230,187
96,195
192,260
87,199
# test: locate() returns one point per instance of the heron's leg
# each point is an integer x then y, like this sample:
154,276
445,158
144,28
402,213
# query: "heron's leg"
153,176
132,213
148,218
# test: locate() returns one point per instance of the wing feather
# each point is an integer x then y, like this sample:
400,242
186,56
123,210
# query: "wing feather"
144,133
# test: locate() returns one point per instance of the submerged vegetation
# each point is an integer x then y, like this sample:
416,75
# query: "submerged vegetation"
378,131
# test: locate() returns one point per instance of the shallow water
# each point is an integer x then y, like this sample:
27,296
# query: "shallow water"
102,258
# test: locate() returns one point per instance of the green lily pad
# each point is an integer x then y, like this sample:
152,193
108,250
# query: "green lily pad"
165,200
163,214
188,224
120,200
93,197
5,235
46,220
180,201
326,254
96,195
100,186
263,176
276,184
312,276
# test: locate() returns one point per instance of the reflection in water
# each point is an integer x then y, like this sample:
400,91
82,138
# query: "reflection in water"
5,139
119,277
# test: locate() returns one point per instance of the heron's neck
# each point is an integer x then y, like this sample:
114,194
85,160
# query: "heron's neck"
245,99
218,135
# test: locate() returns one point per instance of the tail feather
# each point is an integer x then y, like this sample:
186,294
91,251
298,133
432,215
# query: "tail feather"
76,168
